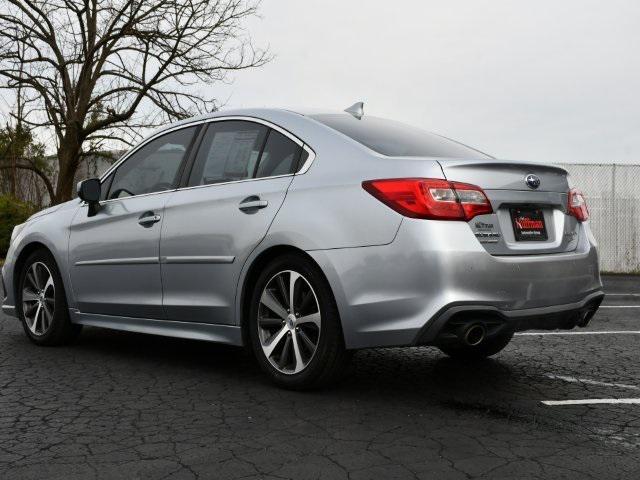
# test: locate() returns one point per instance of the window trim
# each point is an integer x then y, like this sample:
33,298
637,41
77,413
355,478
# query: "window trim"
196,145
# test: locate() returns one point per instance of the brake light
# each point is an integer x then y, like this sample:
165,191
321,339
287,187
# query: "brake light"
578,205
430,198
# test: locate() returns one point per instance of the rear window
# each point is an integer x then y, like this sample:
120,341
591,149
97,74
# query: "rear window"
396,139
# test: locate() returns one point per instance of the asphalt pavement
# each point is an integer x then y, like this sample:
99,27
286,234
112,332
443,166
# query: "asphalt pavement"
122,405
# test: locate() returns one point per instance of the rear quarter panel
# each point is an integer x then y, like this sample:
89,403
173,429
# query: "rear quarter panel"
326,207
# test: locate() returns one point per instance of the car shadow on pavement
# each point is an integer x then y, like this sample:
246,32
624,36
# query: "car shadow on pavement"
420,373
394,383
151,349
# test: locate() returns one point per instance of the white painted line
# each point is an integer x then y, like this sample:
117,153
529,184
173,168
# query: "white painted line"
595,332
619,306
622,295
594,401
585,381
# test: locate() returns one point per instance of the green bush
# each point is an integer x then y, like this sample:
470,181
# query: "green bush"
12,213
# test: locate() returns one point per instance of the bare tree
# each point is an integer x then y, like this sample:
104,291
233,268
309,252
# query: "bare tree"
23,158
93,70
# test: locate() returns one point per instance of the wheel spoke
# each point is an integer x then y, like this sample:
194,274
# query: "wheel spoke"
31,278
293,278
36,318
274,341
297,355
306,302
48,314
42,318
29,308
312,318
284,355
283,291
270,322
29,296
48,284
311,347
37,277
28,317
269,301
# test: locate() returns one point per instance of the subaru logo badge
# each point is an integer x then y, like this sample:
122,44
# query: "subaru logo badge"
532,181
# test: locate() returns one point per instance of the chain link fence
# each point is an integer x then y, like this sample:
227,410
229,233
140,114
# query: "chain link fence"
613,196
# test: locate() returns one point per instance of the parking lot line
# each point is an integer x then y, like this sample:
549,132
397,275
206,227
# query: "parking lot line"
592,332
586,381
593,401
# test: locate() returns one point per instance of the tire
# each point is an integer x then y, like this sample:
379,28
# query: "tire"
44,316
278,338
490,346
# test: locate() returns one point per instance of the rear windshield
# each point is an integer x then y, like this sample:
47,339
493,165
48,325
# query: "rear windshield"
396,139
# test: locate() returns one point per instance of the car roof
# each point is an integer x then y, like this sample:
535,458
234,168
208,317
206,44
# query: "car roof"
271,114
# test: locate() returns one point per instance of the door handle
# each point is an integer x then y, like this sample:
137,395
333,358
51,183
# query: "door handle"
148,220
251,204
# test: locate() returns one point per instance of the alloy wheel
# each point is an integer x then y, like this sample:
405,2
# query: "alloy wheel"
38,298
289,322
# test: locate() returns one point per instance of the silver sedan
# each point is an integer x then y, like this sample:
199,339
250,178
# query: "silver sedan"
305,236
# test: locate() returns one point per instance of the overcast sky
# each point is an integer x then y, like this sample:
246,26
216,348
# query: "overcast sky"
543,80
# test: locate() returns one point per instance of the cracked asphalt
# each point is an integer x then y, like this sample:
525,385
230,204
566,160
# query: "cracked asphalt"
121,405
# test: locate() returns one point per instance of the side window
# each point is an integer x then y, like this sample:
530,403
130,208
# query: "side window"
303,159
280,156
154,167
229,151
106,185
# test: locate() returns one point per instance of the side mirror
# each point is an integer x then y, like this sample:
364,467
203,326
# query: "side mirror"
89,191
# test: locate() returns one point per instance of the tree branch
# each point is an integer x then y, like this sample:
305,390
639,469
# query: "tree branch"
27,166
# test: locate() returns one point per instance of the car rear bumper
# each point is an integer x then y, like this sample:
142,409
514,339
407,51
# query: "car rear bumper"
399,294
444,327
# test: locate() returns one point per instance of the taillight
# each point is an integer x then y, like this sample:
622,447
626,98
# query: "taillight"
578,205
430,198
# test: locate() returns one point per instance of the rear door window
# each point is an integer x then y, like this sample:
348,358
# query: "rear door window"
229,152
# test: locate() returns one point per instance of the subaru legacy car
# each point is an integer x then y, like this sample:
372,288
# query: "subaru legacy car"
305,236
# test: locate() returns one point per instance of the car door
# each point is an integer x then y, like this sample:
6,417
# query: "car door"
114,254
237,183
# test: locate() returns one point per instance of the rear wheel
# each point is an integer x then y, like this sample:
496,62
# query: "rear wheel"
294,325
488,347
42,304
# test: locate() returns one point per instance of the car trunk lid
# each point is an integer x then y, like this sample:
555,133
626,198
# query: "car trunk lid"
530,214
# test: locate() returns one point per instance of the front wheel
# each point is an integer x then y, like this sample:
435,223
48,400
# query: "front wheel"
294,325
42,304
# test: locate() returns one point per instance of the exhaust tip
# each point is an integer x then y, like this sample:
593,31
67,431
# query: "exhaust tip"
585,318
474,334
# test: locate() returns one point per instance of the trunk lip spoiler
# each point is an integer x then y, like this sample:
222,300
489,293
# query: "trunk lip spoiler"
506,164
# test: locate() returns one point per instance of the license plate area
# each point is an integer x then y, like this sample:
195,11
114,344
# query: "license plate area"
528,224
